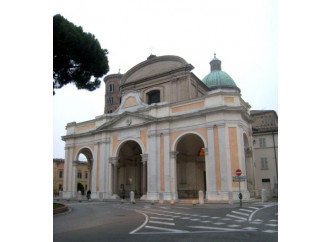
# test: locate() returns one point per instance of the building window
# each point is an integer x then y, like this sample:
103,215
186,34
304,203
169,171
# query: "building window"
111,88
153,97
264,163
110,100
60,174
86,175
262,142
60,187
79,174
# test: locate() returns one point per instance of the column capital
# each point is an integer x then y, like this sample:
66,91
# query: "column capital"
144,158
114,160
206,151
173,154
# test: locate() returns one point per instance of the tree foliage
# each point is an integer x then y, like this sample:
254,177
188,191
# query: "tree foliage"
77,56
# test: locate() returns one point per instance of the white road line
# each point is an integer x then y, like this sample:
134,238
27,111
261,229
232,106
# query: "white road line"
185,218
250,218
234,226
273,225
168,219
246,210
214,217
244,214
216,228
204,216
166,229
232,216
194,219
166,215
250,228
159,222
219,223
273,220
206,221
269,231
164,207
142,225
254,208
255,222
225,219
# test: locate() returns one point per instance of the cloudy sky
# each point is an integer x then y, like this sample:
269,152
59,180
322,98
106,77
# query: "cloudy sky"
243,34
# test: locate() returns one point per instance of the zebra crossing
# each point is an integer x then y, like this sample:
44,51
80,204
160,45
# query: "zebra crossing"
178,220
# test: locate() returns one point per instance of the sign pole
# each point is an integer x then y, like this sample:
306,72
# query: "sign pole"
240,195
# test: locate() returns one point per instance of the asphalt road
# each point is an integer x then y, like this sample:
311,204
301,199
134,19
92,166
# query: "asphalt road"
111,221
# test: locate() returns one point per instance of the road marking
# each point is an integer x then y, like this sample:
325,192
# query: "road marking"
225,219
159,222
164,207
234,225
250,218
216,228
206,221
161,214
168,219
273,225
255,222
185,218
273,220
250,228
169,230
246,210
240,213
142,225
253,207
232,216
205,216
219,223
269,231
214,217
194,219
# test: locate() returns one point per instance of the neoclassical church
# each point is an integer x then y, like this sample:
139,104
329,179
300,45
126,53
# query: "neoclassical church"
164,133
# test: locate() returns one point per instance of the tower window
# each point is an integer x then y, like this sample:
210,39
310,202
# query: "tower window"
153,97
111,88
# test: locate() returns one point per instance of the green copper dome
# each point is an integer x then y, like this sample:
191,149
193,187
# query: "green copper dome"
217,77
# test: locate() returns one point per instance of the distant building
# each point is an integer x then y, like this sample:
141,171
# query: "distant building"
265,150
164,133
82,176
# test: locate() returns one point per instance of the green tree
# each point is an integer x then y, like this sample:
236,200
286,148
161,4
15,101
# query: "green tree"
77,56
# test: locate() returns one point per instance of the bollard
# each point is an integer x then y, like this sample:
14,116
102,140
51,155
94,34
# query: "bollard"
172,202
131,196
264,195
161,197
201,197
79,196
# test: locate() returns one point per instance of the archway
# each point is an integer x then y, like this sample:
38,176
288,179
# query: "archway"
190,162
80,187
84,169
130,169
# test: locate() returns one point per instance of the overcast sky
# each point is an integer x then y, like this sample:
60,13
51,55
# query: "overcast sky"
243,34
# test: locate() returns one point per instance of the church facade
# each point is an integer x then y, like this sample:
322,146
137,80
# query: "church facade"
170,136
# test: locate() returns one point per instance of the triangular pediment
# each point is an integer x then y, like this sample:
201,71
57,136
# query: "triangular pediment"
125,120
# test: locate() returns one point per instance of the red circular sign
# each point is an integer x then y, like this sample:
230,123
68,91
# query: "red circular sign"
238,172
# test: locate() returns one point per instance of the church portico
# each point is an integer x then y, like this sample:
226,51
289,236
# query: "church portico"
164,150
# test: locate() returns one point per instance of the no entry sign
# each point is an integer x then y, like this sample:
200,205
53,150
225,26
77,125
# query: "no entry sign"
238,172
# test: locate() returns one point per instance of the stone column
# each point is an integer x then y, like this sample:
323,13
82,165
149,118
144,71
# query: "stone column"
144,175
173,175
114,162
225,176
74,178
153,177
211,192
242,162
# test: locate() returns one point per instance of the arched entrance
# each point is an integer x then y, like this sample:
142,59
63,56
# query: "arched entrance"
84,170
130,169
190,162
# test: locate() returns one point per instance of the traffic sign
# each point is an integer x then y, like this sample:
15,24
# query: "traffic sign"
238,172
239,178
